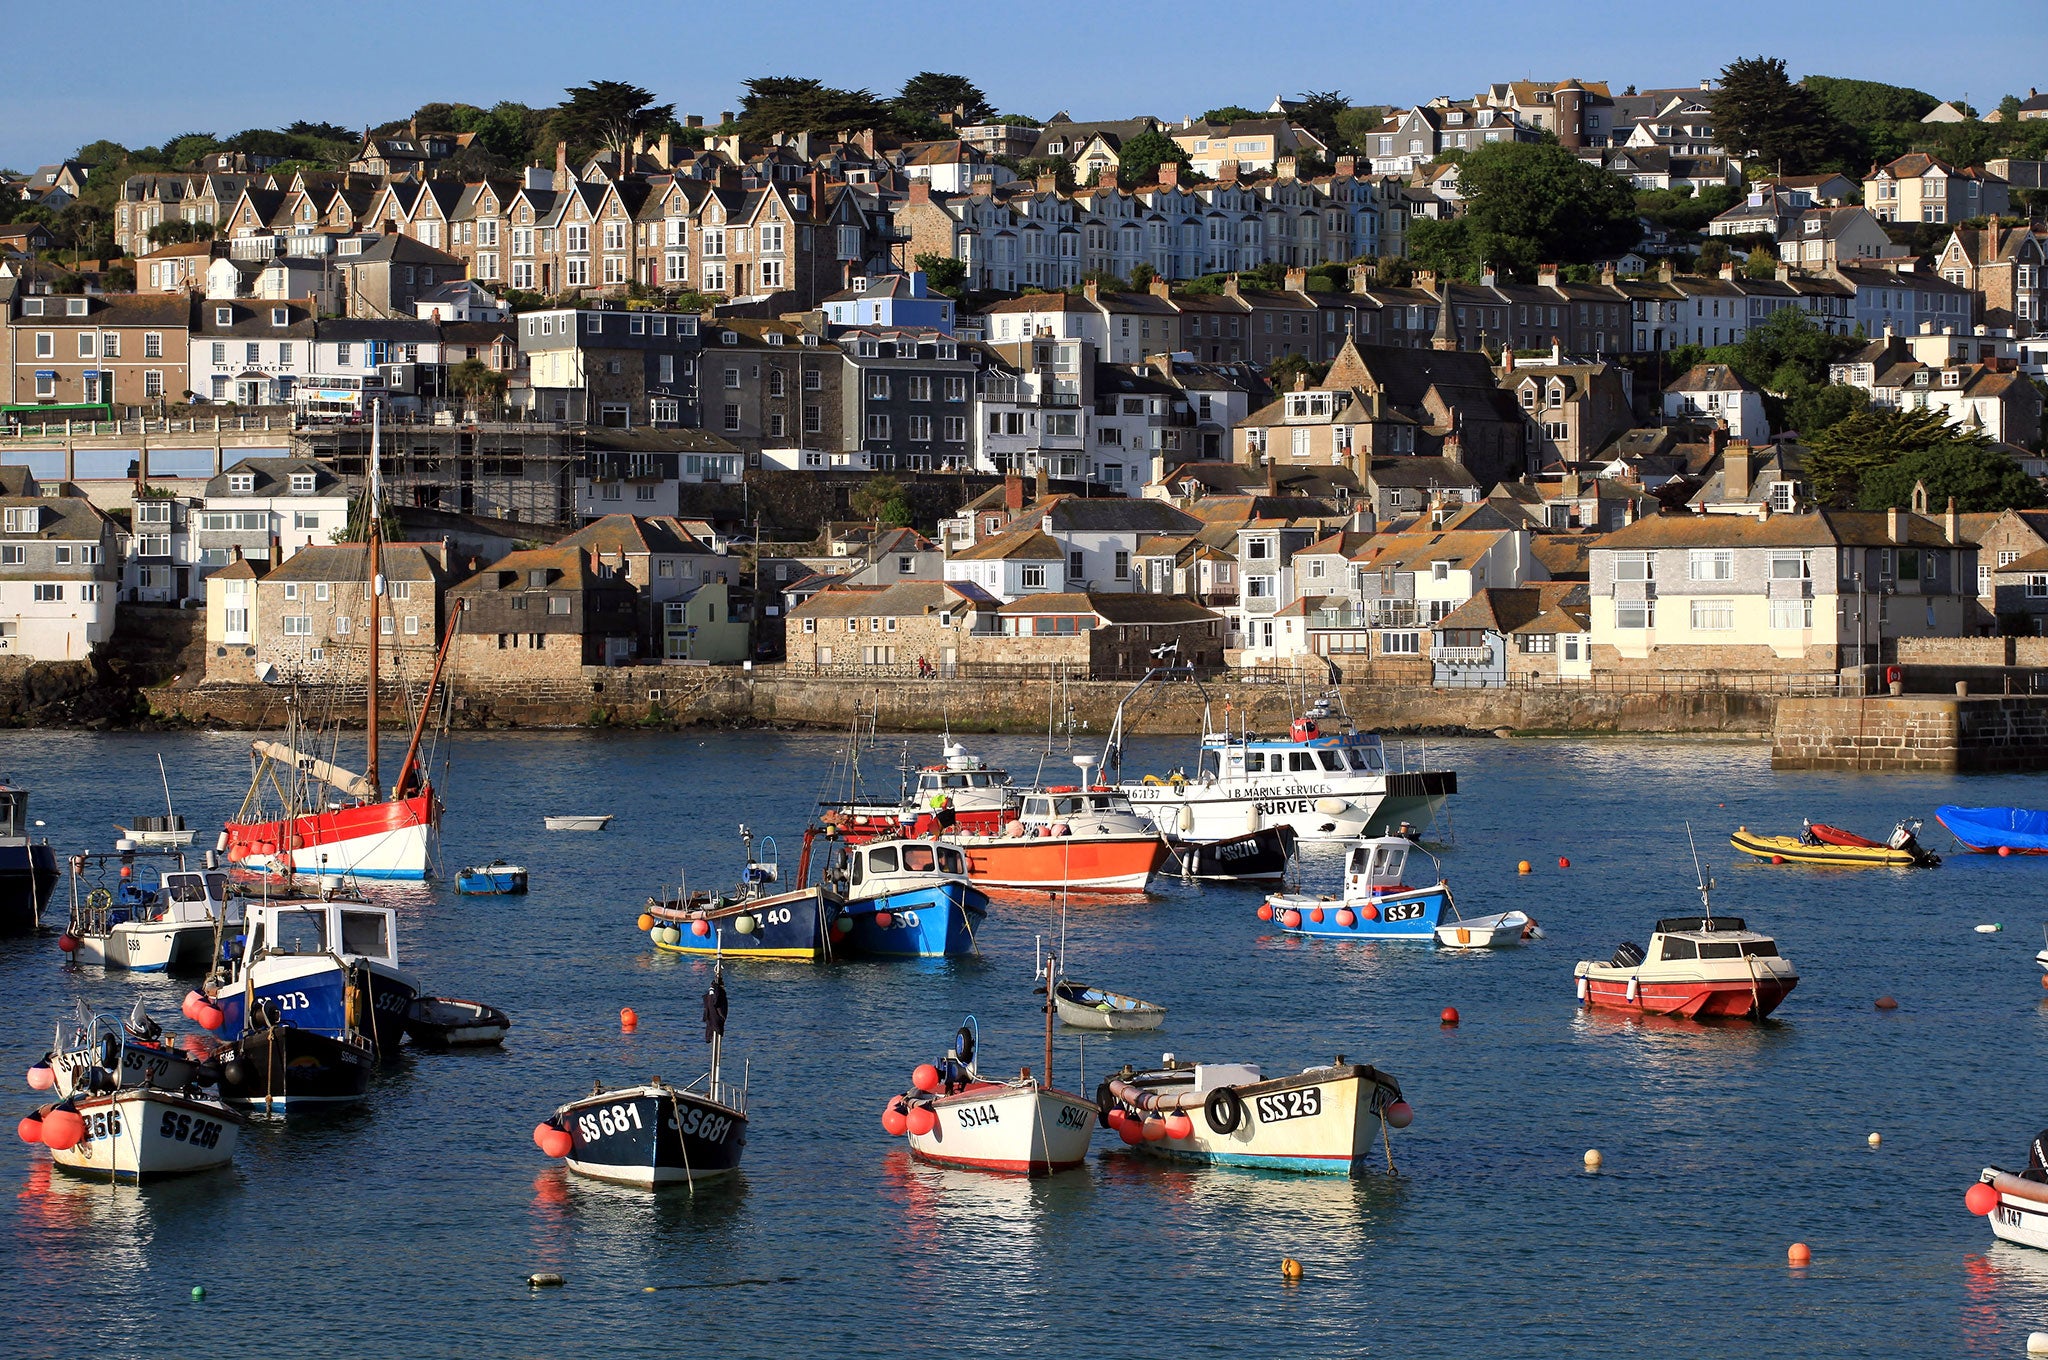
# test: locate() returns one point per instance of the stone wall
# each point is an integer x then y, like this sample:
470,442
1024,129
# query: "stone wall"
1911,733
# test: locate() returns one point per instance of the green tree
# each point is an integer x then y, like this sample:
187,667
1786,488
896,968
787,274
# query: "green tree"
1139,159
1529,203
880,500
1443,244
1761,264
1839,458
1282,374
1759,113
480,386
606,115
1231,113
943,273
801,104
1862,102
1810,407
1789,345
1978,476
2009,110
1318,112
929,94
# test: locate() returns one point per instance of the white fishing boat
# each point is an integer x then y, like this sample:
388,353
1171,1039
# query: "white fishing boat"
168,830
578,823
117,922
1325,1120
140,1133
1085,1007
1501,929
954,1116
1323,778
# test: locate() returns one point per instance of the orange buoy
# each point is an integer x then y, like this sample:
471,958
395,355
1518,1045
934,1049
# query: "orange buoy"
2004,851
1291,919
1885,1003
700,927
925,1077
1347,919
629,1019
1369,912
1450,1016
1266,914
1777,859
1179,1125
644,922
1981,1198
1524,868
1563,863
1799,1253
1315,914
1290,1269
922,1119
895,1118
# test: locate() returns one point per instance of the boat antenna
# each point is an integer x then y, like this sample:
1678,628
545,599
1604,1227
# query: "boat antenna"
169,811
716,1005
1706,884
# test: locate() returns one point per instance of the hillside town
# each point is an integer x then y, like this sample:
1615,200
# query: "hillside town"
1564,383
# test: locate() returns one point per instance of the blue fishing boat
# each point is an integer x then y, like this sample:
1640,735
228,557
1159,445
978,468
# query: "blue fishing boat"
495,878
1377,902
1997,830
28,867
325,965
904,899
750,921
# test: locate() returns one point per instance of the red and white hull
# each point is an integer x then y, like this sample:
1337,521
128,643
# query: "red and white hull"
1021,1128
1077,863
399,838
1694,1000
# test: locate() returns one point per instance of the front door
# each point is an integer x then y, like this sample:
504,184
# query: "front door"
249,393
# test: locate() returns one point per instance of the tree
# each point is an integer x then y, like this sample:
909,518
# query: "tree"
1789,345
880,500
2009,110
1839,458
801,104
1230,113
1284,371
929,94
1979,477
1761,264
1809,407
1318,111
1529,203
479,385
1139,159
1859,103
1759,113
942,273
606,115
1443,244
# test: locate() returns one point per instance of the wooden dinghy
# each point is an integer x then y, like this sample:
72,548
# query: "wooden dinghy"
1085,1007
449,1022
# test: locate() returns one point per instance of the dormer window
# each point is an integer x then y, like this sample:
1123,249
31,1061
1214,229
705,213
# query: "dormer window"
867,348
729,337
1951,378
223,316
536,578
241,483
31,306
1920,378
74,306
776,338
906,349
302,483
280,316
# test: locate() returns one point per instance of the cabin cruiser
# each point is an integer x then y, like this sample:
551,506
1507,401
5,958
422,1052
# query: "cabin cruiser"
1074,837
325,964
1323,778
904,898
1699,967
168,927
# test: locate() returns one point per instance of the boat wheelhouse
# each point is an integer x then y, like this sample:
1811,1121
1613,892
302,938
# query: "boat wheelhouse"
326,965
904,898
1377,902
980,797
1071,837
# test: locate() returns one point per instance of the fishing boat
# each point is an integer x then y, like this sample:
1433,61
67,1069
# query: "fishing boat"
1376,904
335,821
328,965
167,831
1323,1120
281,1065
954,1116
169,926
2016,1203
657,1134
978,796
1256,855
1496,931
1084,1007
448,1022
574,822
130,1106
1069,837
28,867
495,878
903,899
1699,967
1997,830
749,921
1831,846
1321,777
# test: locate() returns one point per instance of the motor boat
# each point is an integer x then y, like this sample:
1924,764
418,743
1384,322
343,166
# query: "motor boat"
2016,1203
955,1116
28,866
1082,837
752,920
900,898
1698,967
130,1107
325,964
1256,855
578,822
978,796
1827,845
1323,1120
449,1022
488,880
1377,902
1997,830
120,921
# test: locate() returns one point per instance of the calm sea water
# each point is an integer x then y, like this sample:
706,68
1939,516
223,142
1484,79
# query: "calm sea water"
407,1227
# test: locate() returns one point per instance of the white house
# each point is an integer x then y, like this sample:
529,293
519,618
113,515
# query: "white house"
1012,563
58,571
261,504
253,353
1718,392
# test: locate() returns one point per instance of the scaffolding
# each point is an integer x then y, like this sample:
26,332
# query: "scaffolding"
499,470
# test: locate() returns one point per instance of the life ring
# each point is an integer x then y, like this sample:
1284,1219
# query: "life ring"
1893,675
1179,782
1154,779
1223,1110
99,897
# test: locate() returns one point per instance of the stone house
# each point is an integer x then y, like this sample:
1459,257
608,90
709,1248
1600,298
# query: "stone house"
1110,635
857,630
1822,237
1506,635
622,369
127,350
389,277
1786,593
543,613
662,563
2003,539
309,618
59,567
1571,410
2006,268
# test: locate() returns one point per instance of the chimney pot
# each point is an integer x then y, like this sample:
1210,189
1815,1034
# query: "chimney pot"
1169,174
1891,523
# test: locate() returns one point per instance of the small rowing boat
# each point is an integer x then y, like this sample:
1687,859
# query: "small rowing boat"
1826,845
447,1022
578,823
1085,1007
1497,931
493,879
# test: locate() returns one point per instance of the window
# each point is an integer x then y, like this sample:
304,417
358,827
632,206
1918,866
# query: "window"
1401,644
1636,614
732,416
153,382
2037,585
558,604
1790,614
13,555
921,429
1713,616
1122,569
1634,566
88,344
298,625
302,483
1033,578
878,387
878,427
1710,564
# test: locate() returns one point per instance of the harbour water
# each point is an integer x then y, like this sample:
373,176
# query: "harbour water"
408,1227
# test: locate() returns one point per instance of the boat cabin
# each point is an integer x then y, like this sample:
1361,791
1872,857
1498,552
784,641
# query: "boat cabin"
196,898
13,813
1057,803
348,929
1305,751
936,782
1377,863
864,867
1708,937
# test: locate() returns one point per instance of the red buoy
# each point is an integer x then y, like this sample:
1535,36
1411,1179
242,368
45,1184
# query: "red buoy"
208,1016
1315,914
1131,1131
894,1118
30,1128
558,1143
2004,851
41,1077
1563,863
629,1019
1153,1130
885,919
192,1000
1369,912
1777,859
1346,917
925,1077
1885,1003
922,1119
63,1128
1400,1114
1116,1116
700,927
1291,919
1178,1125
1450,1015
1981,1198
1265,911
68,942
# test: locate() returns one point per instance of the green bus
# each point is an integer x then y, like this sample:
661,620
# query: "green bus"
55,413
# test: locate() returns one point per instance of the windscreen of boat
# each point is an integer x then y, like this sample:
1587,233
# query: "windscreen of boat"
917,859
1675,948
1333,761
1388,861
367,933
977,781
185,887
299,932
1108,802
955,781
1364,758
1760,949
1300,762
1720,949
1067,807
951,861
883,860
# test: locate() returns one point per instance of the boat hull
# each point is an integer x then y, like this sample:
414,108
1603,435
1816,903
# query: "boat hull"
28,875
1731,999
491,882
1792,850
1020,1130
577,823
788,926
283,1067
1499,931
1262,854
1083,1007
2008,830
149,947
1079,863
2022,1213
447,1022
1377,805
1411,915
652,1135
397,839
1324,1122
312,992
144,1134
924,923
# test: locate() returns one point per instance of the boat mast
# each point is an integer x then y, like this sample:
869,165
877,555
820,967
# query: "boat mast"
373,527
1052,969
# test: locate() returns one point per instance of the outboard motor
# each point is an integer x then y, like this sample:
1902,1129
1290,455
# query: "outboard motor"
141,1027
1628,955
2037,1158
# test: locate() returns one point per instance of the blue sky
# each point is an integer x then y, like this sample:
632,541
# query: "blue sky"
137,72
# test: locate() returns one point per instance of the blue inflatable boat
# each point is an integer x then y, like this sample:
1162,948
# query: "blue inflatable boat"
1991,830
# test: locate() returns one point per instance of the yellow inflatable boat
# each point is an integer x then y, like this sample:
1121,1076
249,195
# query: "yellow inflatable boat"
1827,846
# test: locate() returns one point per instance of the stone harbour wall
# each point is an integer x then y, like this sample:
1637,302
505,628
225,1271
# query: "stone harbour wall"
1917,733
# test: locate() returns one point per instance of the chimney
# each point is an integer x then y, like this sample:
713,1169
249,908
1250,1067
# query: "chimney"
1013,492
693,120
562,180
1891,524
921,190
1507,360
1556,351
1735,468
1546,276
412,127
1285,167
1226,173
639,146
1948,526
1105,178
725,118
1488,278
1425,279
1628,511
1728,271
1347,165
1169,174
1607,274
1297,280
1301,382
1092,290
1160,288
1048,182
1667,270
1784,272
983,186
1044,482
664,150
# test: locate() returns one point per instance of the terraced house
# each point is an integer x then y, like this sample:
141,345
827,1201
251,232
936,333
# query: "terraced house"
127,349
59,566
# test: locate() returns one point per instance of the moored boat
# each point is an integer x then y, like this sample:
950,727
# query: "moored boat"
449,1022
327,964
279,1066
2016,1203
748,921
495,878
1261,854
1997,830
657,1134
1497,931
578,822
903,899
1698,967
139,1133
1826,845
1084,1007
1071,838
954,1116
28,867
168,926
977,797
1323,1120
1377,903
